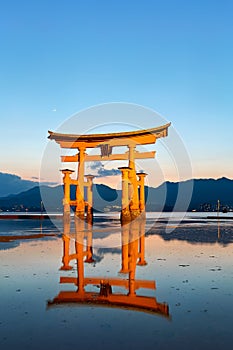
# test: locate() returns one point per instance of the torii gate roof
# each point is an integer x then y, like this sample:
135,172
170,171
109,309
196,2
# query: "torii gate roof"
140,137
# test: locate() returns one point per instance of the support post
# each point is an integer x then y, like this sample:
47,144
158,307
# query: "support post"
141,183
66,245
79,245
124,249
66,199
89,251
133,254
90,198
66,257
125,212
133,190
141,254
80,205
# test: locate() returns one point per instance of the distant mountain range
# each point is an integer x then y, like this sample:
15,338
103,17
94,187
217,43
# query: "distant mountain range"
14,184
165,197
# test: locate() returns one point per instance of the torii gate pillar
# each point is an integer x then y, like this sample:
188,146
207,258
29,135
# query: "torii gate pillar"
89,198
141,183
66,182
80,207
133,184
125,209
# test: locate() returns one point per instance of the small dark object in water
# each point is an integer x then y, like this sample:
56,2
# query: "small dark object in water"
105,289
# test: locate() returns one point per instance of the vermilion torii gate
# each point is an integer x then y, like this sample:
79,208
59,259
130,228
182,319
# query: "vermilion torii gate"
132,255
133,199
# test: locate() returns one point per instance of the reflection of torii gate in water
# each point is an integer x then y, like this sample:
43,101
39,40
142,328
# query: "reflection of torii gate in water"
132,254
133,199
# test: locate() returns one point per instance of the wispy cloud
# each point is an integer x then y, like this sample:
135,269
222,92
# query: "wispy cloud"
100,171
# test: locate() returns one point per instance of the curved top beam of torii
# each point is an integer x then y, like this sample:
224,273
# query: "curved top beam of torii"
139,137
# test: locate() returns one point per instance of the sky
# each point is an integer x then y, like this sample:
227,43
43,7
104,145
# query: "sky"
172,56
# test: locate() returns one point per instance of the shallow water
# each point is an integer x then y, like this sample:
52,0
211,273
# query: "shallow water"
191,265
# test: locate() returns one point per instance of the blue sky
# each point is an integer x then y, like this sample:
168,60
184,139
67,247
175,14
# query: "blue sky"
172,56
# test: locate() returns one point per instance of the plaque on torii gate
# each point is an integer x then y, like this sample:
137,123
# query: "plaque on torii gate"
133,198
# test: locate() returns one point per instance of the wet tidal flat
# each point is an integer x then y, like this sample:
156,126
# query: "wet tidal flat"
139,287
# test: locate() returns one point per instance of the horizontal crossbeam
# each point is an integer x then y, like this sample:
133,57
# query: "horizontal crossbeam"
113,281
96,158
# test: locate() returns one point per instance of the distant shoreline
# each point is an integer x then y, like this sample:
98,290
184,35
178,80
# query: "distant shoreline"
30,216
220,217
39,216
33,236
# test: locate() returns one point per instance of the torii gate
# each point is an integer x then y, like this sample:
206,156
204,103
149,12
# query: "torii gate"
132,254
133,203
